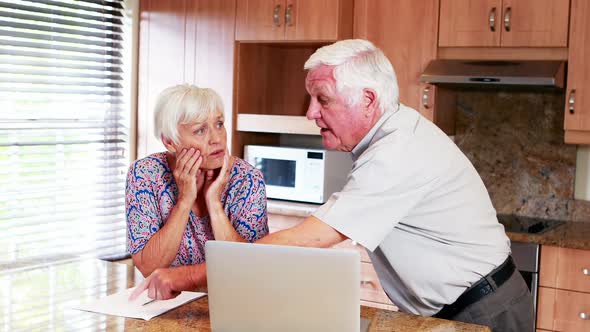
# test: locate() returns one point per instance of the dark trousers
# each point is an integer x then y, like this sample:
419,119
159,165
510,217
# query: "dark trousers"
508,309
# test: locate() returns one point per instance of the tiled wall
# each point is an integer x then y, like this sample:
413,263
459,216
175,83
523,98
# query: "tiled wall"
515,140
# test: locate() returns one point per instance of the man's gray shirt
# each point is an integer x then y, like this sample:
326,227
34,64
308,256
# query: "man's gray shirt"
420,208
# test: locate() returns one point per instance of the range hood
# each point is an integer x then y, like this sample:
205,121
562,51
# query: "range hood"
483,72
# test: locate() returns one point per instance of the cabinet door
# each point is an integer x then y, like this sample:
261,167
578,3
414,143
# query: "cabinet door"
470,23
324,20
570,310
535,23
409,41
577,99
371,290
260,20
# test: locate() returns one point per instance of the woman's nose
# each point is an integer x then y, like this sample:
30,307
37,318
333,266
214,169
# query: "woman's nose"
215,137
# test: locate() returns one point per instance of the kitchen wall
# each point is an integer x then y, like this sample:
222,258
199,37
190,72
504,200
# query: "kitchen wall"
515,141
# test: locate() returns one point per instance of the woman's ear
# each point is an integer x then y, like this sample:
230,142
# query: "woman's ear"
169,144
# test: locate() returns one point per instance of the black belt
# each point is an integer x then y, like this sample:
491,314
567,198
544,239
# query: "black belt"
480,289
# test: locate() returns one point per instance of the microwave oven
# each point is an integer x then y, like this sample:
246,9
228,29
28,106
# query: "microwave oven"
298,174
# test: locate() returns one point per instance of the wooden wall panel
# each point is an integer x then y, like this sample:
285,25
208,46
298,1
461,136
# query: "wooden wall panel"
162,61
214,52
409,41
183,41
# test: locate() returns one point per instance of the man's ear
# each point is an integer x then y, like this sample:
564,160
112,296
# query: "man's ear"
169,144
369,101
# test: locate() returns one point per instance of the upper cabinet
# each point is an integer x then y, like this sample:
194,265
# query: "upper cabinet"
469,23
577,99
503,23
293,20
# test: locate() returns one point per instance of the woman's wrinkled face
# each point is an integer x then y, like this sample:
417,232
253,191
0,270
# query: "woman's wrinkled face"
209,137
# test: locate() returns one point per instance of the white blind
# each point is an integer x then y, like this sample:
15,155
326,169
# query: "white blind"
64,119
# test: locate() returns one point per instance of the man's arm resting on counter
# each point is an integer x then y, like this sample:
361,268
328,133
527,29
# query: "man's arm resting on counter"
168,283
312,232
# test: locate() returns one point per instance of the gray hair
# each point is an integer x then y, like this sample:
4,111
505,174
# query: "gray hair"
182,104
359,65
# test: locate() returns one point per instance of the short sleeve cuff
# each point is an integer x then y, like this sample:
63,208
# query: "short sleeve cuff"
337,215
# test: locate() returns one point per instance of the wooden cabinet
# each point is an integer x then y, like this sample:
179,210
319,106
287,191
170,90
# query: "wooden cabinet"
372,293
504,23
293,20
564,290
577,99
469,23
270,95
410,43
183,41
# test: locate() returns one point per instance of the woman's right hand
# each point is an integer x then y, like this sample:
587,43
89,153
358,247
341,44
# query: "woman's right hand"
185,174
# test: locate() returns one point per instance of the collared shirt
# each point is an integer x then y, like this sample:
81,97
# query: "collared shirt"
418,205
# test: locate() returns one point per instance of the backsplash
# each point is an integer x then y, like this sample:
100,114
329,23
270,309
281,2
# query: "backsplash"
515,141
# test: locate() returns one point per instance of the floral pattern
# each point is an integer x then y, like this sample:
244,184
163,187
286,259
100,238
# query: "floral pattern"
151,194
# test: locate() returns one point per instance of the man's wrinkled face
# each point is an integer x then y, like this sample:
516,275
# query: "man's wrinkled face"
342,126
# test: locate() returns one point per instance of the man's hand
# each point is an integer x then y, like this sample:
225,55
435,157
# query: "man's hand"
164,284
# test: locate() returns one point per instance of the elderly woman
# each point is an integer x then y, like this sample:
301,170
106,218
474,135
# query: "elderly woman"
195,191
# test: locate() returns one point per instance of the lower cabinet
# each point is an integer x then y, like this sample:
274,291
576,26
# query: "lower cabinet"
563,310
372,293
564,290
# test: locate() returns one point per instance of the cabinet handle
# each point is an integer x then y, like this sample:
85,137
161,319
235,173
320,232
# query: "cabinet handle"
288,16
586,272
276,17
425,97
507,18
572,101
493,19
584,315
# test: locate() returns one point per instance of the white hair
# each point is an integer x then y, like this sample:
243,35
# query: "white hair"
181,104
359,65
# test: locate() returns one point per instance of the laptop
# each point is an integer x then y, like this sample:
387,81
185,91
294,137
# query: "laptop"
258,287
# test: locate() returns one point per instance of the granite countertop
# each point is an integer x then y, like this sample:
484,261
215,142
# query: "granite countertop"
574,235
42,297
569,234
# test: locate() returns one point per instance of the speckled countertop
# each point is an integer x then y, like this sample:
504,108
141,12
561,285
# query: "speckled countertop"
574,235
41,298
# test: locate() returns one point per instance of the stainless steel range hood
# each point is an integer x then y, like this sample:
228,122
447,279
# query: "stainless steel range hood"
478,72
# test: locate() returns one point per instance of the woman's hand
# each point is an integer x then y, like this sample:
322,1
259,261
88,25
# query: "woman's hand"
223,230
164,284
185,174
214,185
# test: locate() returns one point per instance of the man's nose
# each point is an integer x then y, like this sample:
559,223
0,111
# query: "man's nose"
313,112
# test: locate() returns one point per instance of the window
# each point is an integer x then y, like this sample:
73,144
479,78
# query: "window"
64,128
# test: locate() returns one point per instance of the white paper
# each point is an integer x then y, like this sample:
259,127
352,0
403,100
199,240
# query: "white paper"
118,304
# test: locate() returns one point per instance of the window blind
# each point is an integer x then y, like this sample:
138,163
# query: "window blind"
64,128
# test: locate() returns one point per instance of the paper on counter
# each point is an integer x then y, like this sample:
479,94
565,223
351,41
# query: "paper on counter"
118,304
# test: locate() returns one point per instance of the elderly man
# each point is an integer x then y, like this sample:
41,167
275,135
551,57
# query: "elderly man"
412,199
